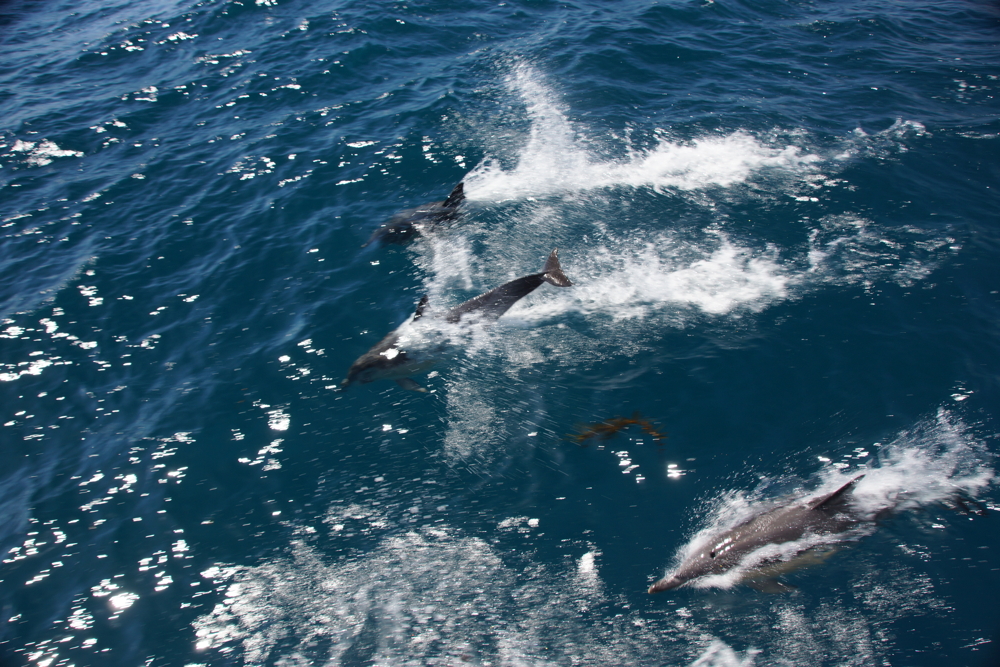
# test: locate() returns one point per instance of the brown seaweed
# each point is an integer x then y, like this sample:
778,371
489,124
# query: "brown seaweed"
605,430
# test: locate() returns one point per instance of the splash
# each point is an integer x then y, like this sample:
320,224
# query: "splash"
625,277
637,277
720,654
558,158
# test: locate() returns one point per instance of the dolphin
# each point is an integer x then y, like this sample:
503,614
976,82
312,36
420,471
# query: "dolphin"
401,354
791,520
402,227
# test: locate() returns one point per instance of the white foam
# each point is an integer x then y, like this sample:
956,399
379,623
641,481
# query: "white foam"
715,278
720,654
626,278
557,157
926,464
474,425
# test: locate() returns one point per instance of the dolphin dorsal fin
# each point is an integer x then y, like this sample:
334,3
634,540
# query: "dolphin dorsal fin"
834,499
456,197
420,307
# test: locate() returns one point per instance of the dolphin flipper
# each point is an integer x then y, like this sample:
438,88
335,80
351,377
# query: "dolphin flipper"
410,385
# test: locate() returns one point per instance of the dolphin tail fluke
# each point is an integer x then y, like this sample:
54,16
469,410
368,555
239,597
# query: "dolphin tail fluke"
456,197
552,273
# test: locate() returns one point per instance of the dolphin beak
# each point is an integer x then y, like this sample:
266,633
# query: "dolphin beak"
665,584
344,383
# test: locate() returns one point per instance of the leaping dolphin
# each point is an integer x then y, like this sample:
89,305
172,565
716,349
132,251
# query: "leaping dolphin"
403,226
399,355
790,521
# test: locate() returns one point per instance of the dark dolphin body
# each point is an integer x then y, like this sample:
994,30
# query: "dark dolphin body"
402,227
388,360
788,522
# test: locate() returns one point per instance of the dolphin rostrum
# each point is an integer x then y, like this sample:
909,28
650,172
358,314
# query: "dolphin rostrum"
402,227
405,352
790,521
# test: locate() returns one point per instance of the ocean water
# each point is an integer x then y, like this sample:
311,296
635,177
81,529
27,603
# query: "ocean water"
781,219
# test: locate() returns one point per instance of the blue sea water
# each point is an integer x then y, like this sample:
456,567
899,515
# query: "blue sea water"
781,220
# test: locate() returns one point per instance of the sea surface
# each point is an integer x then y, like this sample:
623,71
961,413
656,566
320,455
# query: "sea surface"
782,221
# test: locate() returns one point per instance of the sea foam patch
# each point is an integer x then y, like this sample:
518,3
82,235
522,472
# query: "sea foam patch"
672,276
557,157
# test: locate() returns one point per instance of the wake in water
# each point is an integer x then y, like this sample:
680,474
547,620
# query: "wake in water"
632,288
654,274
557,158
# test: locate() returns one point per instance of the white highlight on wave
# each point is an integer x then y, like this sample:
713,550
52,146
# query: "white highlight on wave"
41,153
557,158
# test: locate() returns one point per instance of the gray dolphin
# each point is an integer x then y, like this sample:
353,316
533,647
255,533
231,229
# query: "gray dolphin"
403,226
789,521
401,354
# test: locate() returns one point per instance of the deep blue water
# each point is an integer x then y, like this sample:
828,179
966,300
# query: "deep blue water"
781,219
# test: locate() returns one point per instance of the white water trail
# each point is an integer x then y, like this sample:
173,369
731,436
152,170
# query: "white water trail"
557,157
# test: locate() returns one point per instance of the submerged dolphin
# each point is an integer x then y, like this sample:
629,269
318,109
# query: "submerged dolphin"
788,522
395,358
401,227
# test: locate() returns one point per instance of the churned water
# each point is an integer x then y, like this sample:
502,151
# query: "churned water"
781,219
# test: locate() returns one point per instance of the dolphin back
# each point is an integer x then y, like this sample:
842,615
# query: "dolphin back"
405,225
491,305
